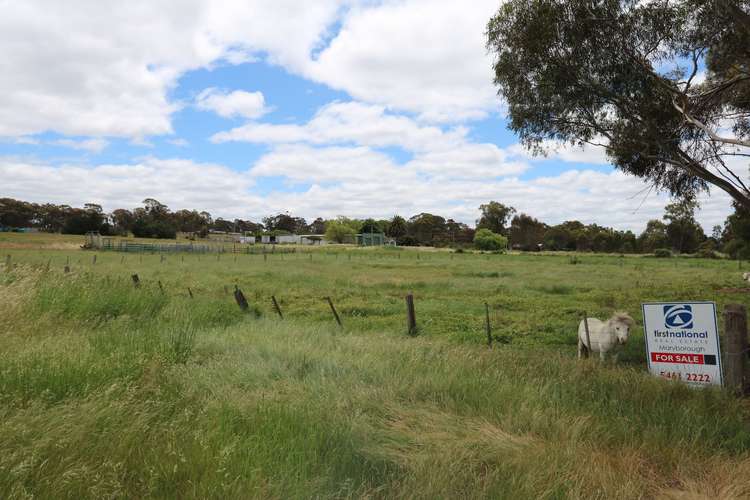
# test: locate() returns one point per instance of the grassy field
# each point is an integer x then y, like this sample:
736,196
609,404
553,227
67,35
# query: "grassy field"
108,391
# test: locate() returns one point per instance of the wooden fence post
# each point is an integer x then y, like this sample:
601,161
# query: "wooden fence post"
588,336
93,261
276,306
411,318
7,262
190,292
66,269
333,310
239,297
487,325
735,348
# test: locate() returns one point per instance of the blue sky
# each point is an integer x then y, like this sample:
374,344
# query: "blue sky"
248,108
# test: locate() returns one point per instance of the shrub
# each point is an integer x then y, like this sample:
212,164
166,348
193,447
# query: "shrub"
484,239
407,241
706,250
338,232
662,252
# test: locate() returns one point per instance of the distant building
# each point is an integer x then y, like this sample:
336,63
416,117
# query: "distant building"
292,239
224,236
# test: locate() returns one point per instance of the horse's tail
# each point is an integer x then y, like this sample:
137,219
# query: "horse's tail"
584,350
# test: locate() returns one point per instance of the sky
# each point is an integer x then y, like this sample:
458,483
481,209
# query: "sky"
250,108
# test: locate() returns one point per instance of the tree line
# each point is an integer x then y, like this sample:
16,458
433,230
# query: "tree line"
498,227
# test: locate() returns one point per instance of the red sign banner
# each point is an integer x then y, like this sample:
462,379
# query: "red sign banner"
667,357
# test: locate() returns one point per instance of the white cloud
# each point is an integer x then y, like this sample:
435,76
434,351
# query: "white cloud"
105,68
177,183
89,145
424,56
345,122
237,103
468,160
305,164
180,142
436,151
97,68
588,153
350,181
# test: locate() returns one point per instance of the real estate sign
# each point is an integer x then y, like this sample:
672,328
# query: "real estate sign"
682,341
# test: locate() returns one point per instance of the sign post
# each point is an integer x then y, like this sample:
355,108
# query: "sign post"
682,342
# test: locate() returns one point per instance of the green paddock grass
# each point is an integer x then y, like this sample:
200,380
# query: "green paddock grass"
111,391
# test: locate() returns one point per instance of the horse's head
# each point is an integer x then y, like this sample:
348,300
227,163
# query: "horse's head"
620,324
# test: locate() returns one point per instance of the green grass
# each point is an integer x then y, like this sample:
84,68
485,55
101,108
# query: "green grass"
111,391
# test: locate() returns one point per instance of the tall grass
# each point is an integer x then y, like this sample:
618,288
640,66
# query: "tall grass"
107,391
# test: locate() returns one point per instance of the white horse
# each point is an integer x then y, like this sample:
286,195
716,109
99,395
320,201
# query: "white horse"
605,336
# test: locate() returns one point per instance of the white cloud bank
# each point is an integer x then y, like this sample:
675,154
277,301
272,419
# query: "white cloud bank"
354,181
105,68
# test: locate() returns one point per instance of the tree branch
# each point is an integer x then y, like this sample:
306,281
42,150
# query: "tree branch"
707,130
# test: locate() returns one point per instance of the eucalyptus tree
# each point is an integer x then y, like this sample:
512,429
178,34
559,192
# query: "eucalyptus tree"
662,85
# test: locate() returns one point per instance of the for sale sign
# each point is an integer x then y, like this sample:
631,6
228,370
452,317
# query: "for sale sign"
682,341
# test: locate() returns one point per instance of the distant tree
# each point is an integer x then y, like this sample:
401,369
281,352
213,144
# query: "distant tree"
684,234
484,239
81,221
426,228
246,226
663,86
456,233
495,217
206,217
716,233
155,209
397,227
122,220
526,233
653,237
222,225
354,224
736,234
286,223
558,238
16,213
339,232
370,226
153,220
318,226
51,218
191,221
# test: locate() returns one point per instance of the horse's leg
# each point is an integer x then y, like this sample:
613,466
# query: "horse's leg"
580,348
615,356
602,355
